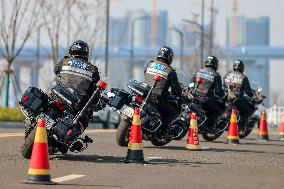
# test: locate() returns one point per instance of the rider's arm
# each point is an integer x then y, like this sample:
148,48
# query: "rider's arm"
247,87
175,86
58,67
218,87
193,78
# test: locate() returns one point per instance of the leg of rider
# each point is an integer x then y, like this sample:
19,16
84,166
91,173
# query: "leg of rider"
214,110
167,112
245,109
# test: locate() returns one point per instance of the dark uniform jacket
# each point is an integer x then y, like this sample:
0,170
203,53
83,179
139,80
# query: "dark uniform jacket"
77,74
161,90
208,83
239,82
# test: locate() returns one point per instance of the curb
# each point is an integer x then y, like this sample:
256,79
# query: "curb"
11,125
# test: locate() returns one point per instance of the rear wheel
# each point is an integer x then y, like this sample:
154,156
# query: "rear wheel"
211,136
123,132
244,132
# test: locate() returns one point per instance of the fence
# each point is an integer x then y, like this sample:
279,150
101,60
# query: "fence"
274,115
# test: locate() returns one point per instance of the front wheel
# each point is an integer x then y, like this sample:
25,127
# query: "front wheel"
161,141
27,147
211,137
123,132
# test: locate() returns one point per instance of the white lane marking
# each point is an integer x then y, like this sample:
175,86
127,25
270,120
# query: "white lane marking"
153,158
18,134
66,178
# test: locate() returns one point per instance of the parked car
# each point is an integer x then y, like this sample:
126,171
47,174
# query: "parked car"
108,118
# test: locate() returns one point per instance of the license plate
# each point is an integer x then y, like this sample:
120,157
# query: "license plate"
128,111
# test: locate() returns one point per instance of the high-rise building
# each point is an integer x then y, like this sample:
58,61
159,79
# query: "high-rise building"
120,29
250,31
253,32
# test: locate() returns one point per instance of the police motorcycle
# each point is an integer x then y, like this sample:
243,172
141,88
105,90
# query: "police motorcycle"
245,127
125,102
192,105
64,128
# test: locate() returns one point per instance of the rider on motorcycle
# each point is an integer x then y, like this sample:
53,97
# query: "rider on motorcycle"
208,90
75,72
239,85
160,95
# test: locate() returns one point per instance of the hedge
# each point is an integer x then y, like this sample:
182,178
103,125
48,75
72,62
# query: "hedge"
11,114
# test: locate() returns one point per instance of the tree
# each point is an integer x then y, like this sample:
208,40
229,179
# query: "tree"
68,20
18,20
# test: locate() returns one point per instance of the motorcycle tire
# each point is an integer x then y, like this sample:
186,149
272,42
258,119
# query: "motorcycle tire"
123,132
245,132
156,142
211,137
27,147
181,135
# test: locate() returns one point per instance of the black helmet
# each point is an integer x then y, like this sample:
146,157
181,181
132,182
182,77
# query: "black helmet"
166,53
239,65
79,48
212,61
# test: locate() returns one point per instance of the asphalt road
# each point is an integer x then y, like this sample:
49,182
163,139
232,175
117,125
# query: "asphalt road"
250,165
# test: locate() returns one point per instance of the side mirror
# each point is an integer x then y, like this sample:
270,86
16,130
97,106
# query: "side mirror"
191,85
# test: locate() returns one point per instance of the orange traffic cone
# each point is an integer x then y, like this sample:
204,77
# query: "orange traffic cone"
39,166
135,147
233,134
192,138
282,129
262,130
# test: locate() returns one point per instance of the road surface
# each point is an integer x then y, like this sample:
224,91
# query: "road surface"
250,165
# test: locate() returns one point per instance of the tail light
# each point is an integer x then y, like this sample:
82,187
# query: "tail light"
158,78
139,98
199,80
58,105
26,98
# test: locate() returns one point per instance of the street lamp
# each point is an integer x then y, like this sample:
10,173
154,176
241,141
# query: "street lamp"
107,37
132,43
180,33
202,35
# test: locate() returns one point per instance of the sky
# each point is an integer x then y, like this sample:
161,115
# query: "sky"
179,9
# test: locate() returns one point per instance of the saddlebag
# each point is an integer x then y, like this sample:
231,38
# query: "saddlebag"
33,101
64,95
119,99
138,88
